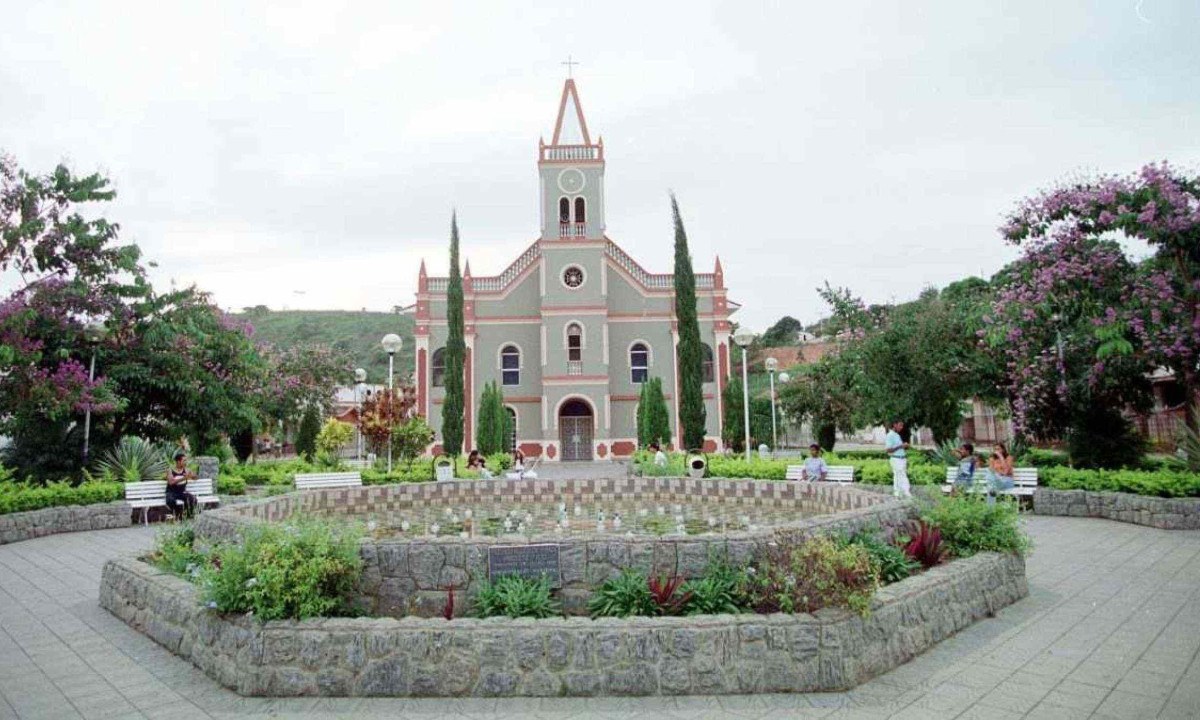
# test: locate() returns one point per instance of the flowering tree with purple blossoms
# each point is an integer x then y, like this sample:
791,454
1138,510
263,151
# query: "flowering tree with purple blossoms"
170,364
1070,365
1161,206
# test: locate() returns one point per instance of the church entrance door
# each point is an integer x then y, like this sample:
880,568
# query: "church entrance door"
575,424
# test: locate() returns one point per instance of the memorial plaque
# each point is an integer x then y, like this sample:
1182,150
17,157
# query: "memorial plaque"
528,561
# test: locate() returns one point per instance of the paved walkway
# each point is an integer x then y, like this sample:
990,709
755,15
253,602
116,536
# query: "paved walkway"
1111,629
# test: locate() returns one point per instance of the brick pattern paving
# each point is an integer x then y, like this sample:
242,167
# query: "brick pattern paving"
1111,629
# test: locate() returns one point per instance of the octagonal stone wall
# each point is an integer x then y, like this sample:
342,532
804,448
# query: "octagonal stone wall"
715,654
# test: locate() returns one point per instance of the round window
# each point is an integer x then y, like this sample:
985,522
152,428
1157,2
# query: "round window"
573,277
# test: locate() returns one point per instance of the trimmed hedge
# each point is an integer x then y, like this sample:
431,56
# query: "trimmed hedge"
20,497
1162,483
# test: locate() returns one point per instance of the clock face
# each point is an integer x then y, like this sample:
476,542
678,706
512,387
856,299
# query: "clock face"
571,180
573,277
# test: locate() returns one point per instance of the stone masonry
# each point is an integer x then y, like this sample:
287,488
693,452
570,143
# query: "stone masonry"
829,650
1156,512
411,577
67,518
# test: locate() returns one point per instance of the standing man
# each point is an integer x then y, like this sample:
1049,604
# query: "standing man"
897,453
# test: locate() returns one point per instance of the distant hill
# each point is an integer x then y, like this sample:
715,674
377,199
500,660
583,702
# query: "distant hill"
356,332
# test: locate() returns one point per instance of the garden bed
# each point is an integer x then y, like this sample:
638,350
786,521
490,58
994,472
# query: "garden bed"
411,576
1157,512
829,650
30,524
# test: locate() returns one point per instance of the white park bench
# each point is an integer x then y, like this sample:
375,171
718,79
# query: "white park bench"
1025,481
315,481
358,464
153,494
836,473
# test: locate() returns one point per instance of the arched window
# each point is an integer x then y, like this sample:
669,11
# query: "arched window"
706,363
510,365
574,342
580,210
437,368
564,210
639,362
511,429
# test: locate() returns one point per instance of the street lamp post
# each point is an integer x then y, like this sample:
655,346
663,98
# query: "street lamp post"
360,383
391,344
772,366
93,334
743,338
784,378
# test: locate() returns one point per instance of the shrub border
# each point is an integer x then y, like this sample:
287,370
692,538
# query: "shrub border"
1155,512
829,650
30,524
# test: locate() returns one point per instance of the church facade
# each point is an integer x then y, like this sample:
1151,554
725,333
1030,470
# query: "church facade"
574,325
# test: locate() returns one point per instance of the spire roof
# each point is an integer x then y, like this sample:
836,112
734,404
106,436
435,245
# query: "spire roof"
570,128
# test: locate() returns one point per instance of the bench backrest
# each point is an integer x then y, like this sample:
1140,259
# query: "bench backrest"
836,473
309,481
357,464
201,486
148,490
1026,477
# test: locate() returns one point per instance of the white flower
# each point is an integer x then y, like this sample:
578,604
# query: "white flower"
251,582
212,604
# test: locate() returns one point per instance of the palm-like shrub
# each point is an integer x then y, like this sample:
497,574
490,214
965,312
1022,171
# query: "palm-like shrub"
133,460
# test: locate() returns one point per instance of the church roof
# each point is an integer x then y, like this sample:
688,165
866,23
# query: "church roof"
570,128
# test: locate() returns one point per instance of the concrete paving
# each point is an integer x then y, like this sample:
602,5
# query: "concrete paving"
1111,629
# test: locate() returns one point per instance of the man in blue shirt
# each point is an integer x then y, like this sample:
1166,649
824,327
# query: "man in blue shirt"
897,454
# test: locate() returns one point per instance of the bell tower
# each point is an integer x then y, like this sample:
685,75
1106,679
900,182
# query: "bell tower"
571,173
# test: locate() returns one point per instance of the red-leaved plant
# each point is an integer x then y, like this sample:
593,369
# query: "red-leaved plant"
666,597
925,545
448,609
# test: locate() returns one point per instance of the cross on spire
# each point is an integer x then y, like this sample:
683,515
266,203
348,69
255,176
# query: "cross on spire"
569,62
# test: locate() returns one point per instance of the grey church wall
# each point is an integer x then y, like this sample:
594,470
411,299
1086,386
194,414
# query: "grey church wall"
522,300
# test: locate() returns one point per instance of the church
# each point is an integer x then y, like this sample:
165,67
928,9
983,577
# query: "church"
573,327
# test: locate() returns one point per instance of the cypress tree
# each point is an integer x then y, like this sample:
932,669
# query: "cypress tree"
734,422
452,407
643,427
658,417
691,360
492,430
306,434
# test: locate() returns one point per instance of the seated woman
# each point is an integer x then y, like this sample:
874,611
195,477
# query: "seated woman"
1000,469
966,467
181,502
475,462
518,469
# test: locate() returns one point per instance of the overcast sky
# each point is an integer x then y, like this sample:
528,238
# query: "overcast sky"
264,152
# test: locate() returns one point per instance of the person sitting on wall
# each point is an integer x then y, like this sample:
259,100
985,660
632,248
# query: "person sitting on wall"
815,469
660,457
181,502
519,472
966,467
475,462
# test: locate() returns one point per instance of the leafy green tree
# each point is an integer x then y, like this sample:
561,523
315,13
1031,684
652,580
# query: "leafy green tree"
452,406
491,432
333,436
785,332
823,395
917,361
410,438
692,414
653,416
306,436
